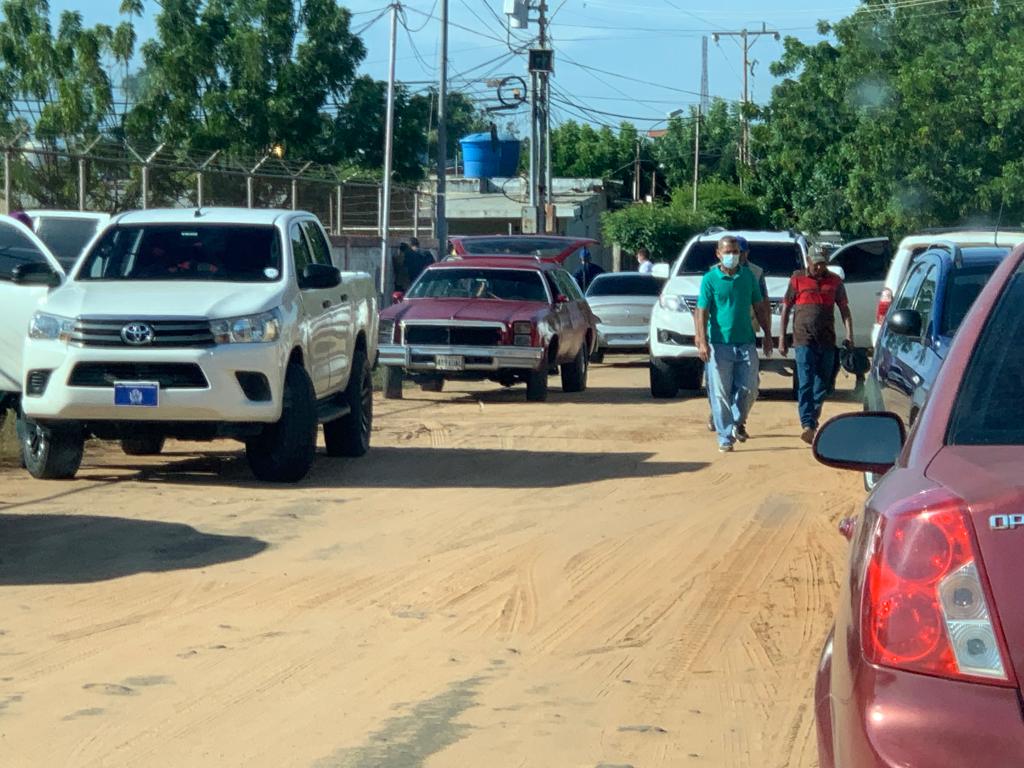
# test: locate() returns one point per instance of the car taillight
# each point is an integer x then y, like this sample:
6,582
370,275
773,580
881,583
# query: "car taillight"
884,302
924,606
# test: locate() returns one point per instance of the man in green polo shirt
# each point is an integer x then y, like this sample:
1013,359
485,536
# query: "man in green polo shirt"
726,340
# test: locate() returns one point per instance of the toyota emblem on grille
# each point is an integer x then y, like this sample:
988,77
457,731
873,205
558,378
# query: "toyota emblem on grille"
137,334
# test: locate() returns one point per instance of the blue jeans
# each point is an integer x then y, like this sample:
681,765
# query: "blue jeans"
814,371
732,386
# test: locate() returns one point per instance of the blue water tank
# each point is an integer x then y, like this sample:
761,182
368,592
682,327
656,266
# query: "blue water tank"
484,158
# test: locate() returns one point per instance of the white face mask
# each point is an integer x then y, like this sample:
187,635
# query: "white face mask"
730,260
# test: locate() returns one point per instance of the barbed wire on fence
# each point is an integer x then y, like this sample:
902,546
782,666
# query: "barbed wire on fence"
104,174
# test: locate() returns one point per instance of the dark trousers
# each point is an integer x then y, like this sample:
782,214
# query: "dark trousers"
814,370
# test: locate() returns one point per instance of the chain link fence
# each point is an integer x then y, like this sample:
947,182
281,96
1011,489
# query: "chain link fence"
110,176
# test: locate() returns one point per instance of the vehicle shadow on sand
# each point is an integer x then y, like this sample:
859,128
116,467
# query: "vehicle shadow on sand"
79,549
410,467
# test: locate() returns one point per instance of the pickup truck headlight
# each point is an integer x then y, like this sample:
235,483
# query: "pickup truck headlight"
386,332
50,327
249,329
671,303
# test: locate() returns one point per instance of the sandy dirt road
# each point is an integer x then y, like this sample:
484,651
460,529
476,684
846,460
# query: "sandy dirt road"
584,582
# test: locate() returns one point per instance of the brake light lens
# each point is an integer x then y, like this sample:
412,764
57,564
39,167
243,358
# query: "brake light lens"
884,302
924,606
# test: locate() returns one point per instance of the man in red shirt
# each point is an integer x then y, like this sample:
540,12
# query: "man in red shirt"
812,298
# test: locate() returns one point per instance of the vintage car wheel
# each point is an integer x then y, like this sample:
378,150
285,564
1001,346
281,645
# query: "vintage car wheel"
574,374
143,445
664,382
537,386
435,384
393,383
598,356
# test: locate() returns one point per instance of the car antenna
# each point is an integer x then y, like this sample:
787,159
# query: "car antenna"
999,221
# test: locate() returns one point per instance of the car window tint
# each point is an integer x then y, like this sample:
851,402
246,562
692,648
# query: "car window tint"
909,290
924,302
468,283
626,285
300,250
16,248
320,249
66,238
568,285
989,409
867,262
962,288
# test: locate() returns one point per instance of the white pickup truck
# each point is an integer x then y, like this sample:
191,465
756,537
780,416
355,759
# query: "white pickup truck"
194,324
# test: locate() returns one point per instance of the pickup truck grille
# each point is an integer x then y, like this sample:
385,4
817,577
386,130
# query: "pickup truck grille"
456,335
167,375
106,332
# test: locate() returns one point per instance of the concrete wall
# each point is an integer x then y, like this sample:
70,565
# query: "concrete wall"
356,253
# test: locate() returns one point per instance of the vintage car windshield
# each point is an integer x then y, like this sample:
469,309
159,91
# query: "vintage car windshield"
467,283
626,285
542,247
168,252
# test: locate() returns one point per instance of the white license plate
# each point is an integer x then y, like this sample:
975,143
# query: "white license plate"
450,363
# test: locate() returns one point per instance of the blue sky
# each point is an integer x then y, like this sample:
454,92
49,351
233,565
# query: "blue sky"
649,50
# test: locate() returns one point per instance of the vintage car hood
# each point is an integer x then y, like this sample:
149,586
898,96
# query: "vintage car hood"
411,310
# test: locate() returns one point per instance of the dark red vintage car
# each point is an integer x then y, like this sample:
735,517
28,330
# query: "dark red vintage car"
505,319
924,665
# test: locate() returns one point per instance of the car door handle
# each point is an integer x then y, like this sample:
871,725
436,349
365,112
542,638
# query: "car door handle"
344,297
326,304
916,379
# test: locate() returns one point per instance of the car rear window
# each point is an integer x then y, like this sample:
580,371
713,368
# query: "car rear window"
989,409
165,252
501,284
543,247
622,285
66,237
962,289
776,259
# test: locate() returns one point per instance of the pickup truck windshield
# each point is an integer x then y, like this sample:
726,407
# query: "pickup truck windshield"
776,259
165,252
502,284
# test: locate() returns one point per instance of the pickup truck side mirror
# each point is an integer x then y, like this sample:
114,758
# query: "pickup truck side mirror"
319,276
397,296
35,274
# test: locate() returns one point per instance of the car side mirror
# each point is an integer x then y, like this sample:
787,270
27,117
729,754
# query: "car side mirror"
320,276
905,322
561,299
35,274
397,296
863,442
661,269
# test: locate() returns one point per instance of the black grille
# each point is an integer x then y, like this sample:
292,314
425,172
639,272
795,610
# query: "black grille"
167,375
458,335
105,332
37,381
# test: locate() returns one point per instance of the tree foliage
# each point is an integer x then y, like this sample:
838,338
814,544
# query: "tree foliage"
659,228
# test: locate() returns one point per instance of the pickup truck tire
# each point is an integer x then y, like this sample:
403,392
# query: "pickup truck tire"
284,451
50,453
393,383
350,435
574,374
537,385
664,379
143,445
690,375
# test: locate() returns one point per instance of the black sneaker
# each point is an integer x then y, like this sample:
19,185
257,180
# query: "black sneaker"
739,432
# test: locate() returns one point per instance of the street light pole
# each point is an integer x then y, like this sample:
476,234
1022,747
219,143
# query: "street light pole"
389,134
441,215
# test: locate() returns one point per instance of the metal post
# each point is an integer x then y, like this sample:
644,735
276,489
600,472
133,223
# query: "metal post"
441,210
250,192
8,156
534,138
295,194
416,214
145,186
696,158
745,152
81,183
339,219
389,134
199,178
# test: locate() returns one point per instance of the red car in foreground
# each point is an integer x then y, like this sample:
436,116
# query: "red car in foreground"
503,318
923,665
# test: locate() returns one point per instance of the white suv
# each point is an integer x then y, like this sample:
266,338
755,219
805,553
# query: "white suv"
202,324
674,362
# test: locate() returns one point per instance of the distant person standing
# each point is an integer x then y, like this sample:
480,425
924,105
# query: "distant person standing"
643,257
812,298
416,260
401,268
588,270
726,340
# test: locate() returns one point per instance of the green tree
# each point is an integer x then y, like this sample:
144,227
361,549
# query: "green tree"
659,228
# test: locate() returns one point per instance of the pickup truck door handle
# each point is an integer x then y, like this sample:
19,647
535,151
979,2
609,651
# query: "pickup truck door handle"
344,297
326,304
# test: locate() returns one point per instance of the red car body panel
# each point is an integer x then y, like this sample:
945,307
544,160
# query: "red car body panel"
870,716
569,245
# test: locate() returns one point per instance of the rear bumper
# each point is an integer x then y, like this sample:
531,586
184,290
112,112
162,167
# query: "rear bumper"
424,357
874,717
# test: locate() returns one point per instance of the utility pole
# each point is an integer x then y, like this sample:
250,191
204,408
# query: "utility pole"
636,173
540,66
389,134
441,215
748,38
696,154
544,157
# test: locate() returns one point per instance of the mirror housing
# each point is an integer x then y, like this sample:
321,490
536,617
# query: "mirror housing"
870,441
35,274
905,322
320,276
661,269
397,297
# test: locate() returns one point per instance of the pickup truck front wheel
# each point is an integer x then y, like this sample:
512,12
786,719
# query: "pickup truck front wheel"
350,435
50,453
283,452
664,381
